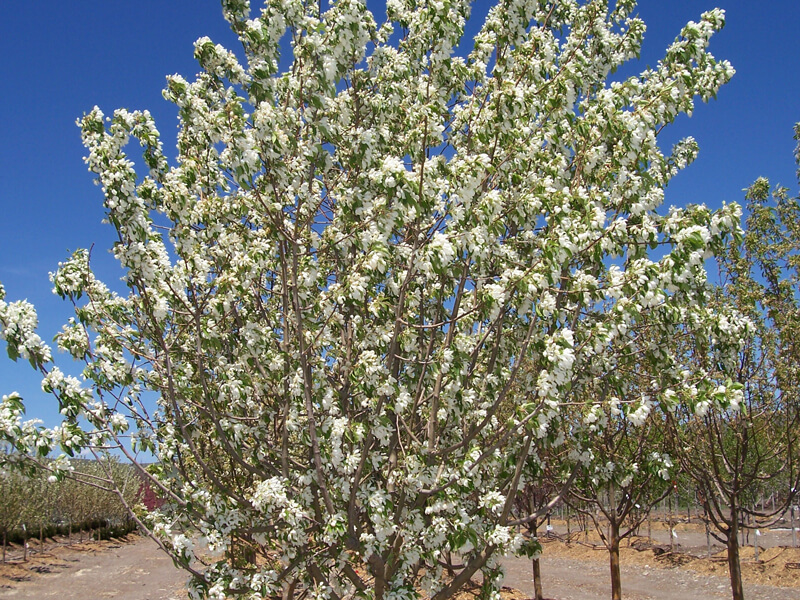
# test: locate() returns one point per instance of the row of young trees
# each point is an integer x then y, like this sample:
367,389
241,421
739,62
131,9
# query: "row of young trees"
381,292
732,458
32,505
594,521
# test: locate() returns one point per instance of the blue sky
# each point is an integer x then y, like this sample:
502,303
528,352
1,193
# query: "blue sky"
62,58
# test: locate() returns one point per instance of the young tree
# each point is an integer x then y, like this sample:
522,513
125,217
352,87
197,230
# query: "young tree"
624,478
620,440
735,455
335,287
544,483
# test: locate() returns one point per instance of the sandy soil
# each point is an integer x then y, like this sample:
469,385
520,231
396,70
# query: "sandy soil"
135,569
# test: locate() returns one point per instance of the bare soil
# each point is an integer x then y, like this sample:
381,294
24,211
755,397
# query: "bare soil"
135,569
578,571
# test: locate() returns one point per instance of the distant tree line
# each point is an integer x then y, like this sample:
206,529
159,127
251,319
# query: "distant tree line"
41,506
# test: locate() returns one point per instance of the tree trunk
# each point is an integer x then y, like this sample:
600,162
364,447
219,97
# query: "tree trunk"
537,573
448,565
379,581
569,533
288,590
734,568
537,580
4,545
671,527
613,554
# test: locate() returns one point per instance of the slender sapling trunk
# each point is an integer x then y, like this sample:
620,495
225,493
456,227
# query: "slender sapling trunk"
613,554
734,568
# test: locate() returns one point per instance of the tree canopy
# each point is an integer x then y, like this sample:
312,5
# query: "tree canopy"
368,285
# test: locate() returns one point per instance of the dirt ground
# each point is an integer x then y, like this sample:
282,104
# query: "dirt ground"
135,569
777,563
578,571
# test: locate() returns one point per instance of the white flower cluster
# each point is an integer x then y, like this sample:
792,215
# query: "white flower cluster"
662,463
18,323
638,416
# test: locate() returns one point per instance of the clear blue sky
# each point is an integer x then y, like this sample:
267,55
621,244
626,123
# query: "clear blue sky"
62,58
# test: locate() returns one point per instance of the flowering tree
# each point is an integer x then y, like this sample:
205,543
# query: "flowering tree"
335,287
734,456
626,472
546,478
